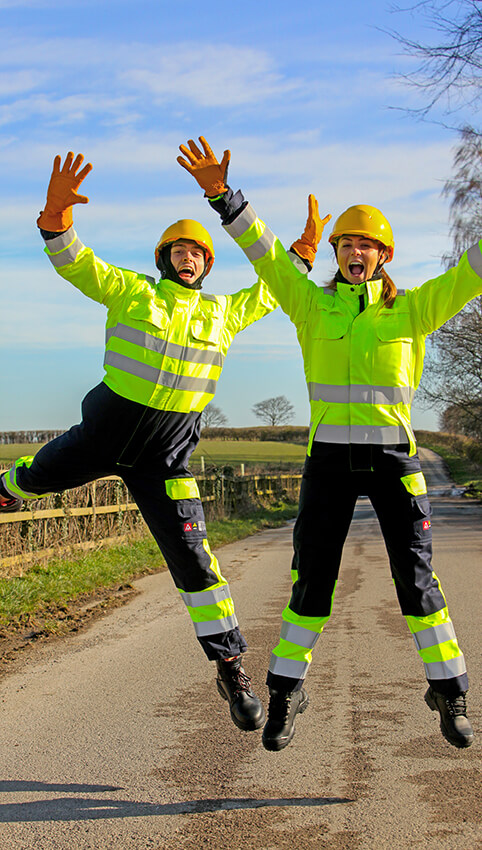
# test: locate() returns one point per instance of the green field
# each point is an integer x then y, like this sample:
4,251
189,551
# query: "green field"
260,455
216,453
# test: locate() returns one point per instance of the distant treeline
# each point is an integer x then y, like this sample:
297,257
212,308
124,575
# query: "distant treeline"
278,433
8,437
273,433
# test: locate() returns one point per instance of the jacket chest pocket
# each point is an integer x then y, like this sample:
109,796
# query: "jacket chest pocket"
151,313
330,325
394,327
207,329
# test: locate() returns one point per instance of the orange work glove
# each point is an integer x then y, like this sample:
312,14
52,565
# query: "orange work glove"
204,167
307,245
62,193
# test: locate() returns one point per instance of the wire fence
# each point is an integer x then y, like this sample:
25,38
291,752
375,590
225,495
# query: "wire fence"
104,510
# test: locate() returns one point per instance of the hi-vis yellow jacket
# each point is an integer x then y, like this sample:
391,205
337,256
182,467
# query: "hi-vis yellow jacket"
363,361
165,344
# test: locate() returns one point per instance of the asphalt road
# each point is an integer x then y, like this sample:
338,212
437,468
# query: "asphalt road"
116,737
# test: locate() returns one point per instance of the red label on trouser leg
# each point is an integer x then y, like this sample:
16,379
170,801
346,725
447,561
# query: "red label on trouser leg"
426,524
188,526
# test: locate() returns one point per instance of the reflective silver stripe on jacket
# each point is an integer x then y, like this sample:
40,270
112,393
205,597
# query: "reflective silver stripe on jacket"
242,222
445,669
261,247
214,627
159,376
434,635
68,255
206,597
288,667
169,349
359,394
298,635
378,435
474,257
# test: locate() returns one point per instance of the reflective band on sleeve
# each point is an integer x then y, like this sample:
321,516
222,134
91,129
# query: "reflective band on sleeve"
298,262
241,223
414,483
359,394
182,488
435,635
288,667
446,669
156,376
214,627
474,257
375,434
68,255
206,597
189,354
60,242
261,247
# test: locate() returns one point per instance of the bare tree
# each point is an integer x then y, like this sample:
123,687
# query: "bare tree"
213,417
274,411
454,420
449,76
464,190
449,73
452,379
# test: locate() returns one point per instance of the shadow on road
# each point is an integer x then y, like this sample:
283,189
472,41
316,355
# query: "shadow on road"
68,808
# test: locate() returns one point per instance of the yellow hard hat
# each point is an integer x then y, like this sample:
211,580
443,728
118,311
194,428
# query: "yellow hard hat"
186,228
364,220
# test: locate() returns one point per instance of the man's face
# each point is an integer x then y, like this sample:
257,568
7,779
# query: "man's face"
358,257
188,260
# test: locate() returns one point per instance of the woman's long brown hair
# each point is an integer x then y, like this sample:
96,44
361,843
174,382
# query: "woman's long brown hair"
389,291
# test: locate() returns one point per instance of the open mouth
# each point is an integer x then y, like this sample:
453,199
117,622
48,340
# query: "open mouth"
356,269
186,272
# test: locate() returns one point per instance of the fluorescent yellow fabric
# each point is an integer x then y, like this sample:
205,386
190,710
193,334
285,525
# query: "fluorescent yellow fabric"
363,361
165,344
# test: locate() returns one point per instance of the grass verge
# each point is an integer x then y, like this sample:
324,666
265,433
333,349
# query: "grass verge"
52,597
462,455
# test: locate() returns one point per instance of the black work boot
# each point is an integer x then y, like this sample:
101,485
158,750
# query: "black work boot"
234,685
283,708
454,723
10,505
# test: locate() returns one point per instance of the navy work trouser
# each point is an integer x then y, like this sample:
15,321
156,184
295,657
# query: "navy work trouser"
329,491
149,450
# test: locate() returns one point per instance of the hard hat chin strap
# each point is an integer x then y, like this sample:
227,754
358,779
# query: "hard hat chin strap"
169,272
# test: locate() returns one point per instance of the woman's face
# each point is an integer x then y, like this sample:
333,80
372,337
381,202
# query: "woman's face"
358,257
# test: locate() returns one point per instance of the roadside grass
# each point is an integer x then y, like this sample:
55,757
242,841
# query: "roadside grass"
462,455
47,588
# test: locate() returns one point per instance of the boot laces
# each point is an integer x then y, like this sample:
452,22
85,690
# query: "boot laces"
279,706
240,679
457,706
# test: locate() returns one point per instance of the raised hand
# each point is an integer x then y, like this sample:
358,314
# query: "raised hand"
62,193
307,245
204,167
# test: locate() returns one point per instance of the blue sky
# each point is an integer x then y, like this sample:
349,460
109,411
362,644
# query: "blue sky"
306,97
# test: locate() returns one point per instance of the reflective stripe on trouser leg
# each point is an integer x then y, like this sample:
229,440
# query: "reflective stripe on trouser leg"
211,610
437,646
173,511
10,483
405,517
292,656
